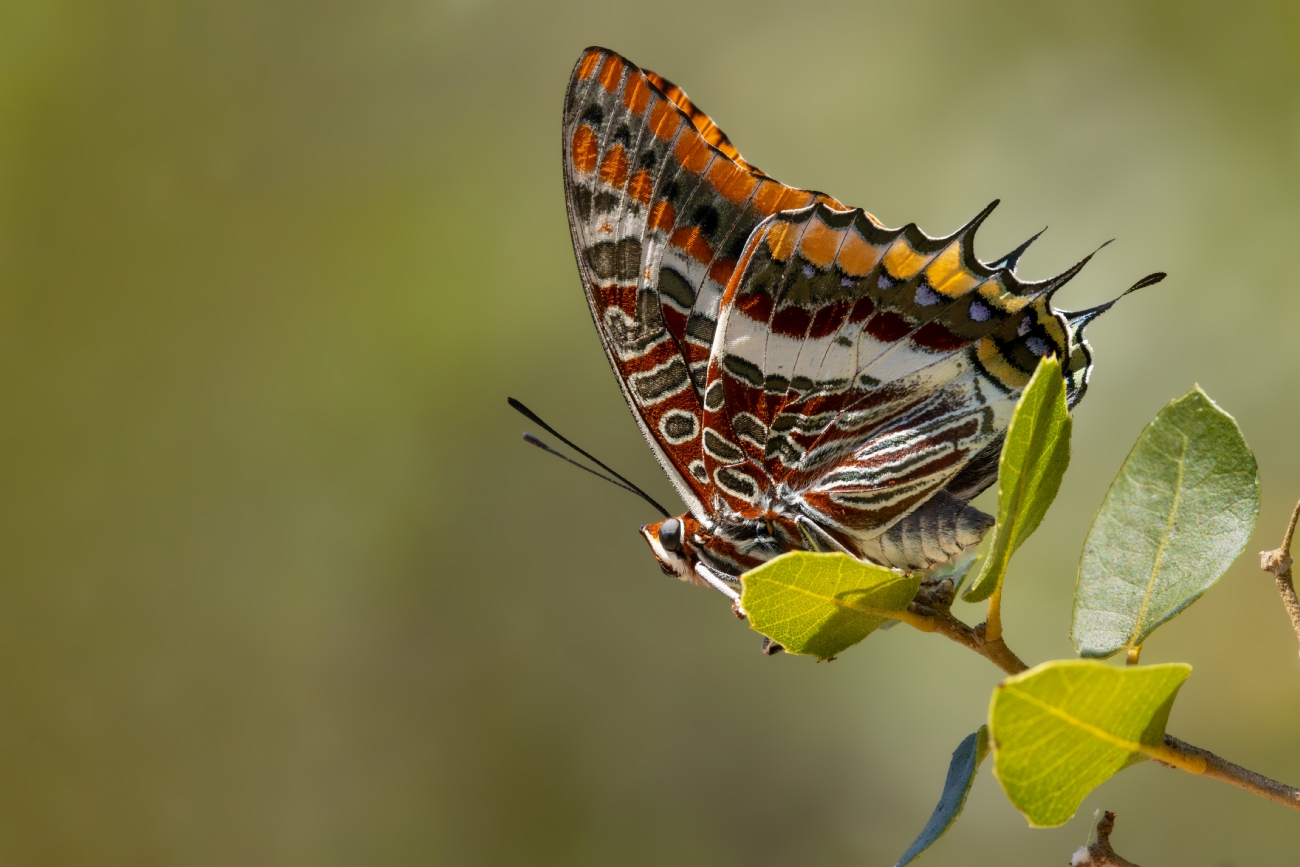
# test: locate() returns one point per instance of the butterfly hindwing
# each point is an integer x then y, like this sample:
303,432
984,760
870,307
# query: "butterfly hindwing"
864,368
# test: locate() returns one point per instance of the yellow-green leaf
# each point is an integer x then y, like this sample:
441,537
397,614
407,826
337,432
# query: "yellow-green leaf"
1063,728
1180,511
961,775
821,604
1034,458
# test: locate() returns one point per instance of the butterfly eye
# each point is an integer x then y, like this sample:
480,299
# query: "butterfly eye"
670,535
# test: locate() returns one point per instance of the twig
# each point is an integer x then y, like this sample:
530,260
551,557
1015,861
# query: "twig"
1279,563
935,616
1099,854
993,623
1243,778
932,612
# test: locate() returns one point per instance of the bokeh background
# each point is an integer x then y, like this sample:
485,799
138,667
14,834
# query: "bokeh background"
279,583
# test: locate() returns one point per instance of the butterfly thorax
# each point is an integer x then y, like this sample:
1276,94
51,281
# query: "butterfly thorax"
733,543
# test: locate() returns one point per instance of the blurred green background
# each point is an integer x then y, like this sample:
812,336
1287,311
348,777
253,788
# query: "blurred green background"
280,583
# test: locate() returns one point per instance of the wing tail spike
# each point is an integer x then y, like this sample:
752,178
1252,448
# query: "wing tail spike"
1049,288
974,224
1080,318
1009,261
967,232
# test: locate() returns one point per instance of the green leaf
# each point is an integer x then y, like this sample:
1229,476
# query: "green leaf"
1034,458
1180,511
823,603
1063,728
966,760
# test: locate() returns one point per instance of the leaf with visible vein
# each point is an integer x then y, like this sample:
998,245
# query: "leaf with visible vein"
1034,458
1063,728
965,762
821,604
1180,511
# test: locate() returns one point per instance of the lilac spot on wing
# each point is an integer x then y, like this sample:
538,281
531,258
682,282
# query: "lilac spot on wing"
925,296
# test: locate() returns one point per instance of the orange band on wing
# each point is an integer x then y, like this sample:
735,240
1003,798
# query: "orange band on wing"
613,168
732,181
636,96
588,64
641,186
692,153
611,73
584,150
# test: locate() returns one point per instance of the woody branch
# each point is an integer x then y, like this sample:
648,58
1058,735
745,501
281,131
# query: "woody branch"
932,613
1278,562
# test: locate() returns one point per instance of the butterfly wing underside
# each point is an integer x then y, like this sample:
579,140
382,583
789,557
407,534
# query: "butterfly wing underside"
660,207
873,373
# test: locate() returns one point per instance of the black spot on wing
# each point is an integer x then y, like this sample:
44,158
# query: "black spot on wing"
619,260
675,287
706,217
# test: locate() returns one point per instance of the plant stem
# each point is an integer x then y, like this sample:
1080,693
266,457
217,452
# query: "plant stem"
993,625
1222,769
944,622
1279,563
1175,753
1100,854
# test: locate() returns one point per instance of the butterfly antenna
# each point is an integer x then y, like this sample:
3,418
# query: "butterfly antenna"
621,481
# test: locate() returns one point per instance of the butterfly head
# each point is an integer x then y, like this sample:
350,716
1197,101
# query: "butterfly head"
673,541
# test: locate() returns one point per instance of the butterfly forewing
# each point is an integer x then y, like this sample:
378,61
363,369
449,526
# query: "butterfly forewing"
660,206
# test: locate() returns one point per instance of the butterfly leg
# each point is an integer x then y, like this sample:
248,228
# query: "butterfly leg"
724,584
825,539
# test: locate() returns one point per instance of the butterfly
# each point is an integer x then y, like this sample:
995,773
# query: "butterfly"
808,378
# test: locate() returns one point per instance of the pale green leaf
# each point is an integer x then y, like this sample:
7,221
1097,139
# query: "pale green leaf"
822,603
1063,728
1034,458
1180,511
965,762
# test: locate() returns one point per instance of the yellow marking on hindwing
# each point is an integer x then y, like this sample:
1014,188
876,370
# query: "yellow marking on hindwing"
902,261
997,365
995,293
1051,325
947,276
819,243
857,257
781,240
